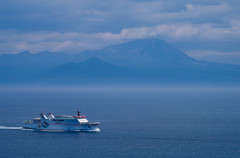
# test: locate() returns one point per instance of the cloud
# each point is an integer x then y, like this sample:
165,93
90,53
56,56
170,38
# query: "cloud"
73,42
76,25
93,16
189,13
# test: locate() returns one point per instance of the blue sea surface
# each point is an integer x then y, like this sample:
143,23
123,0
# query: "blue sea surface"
135,122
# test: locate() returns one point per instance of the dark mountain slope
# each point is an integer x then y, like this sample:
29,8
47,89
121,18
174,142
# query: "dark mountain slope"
92,69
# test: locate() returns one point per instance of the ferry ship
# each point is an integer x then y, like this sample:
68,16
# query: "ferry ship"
61,123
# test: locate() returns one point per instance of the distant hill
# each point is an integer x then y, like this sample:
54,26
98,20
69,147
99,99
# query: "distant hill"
140,61
91,69
39,60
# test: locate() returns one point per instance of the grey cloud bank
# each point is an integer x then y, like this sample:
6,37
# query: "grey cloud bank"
73,26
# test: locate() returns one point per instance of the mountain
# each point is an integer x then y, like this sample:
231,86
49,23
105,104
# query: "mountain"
32,62
139,61
141,53
91,69
29,58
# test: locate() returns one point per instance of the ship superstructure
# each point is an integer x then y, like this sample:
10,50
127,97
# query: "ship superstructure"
61,123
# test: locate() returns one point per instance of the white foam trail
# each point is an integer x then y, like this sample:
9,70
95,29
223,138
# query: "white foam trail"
20,128
6,127
94,130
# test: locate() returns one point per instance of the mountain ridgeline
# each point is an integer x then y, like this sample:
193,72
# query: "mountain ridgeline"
148,61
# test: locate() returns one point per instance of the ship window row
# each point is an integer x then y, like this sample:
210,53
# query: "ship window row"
57,120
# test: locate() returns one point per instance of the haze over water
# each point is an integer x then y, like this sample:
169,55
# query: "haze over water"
135,122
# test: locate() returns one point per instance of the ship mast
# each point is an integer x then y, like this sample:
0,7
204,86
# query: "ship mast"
42,109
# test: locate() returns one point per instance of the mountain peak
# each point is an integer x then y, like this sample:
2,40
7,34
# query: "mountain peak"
142,43
149,41
96,62
149,52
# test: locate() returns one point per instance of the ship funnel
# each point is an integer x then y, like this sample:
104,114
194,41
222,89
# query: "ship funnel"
78,113
50,116
43,116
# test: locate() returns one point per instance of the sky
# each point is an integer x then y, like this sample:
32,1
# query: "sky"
203,29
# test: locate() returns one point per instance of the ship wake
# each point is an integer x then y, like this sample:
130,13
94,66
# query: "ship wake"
12,128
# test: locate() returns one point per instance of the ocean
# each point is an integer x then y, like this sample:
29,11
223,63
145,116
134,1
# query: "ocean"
135,122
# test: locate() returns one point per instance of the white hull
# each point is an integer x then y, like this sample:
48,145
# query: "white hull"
55,127
61,123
